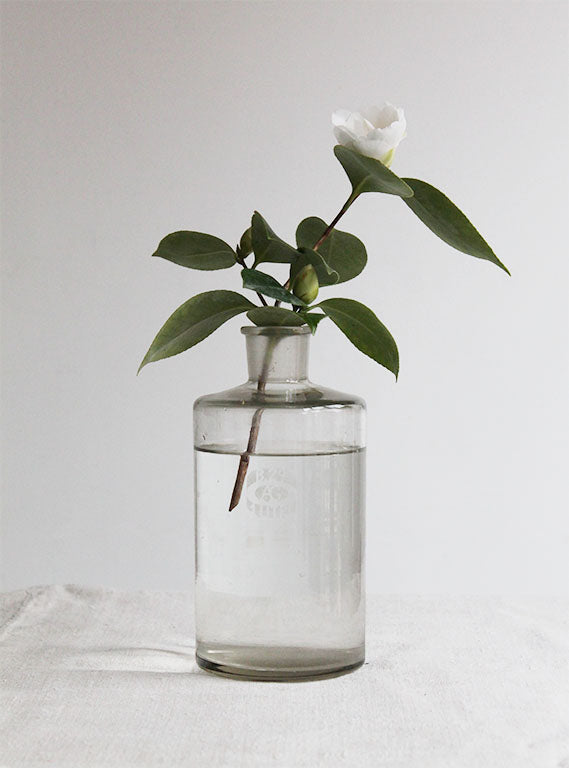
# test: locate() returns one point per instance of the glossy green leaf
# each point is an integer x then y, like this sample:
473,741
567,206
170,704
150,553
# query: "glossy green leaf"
364,330
312,319
274,316
324,272
193,321
245,244
342,252
268,286
448,222
369,175
267,246
196,250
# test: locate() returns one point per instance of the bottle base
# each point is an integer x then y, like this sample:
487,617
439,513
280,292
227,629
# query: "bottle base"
275,664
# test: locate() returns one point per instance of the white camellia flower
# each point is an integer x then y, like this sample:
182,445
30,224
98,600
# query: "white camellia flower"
373,132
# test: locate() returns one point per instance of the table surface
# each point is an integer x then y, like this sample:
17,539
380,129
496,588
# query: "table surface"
95,677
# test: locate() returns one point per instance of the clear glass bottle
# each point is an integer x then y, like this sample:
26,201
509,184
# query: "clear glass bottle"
279,580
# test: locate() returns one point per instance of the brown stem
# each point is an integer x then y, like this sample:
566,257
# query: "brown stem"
334,221
262,383
254,433
287,286
244,459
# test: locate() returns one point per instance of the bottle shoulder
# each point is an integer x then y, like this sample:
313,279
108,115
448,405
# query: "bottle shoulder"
304,394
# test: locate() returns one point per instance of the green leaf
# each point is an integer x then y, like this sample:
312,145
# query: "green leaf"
196,250
448,222
369,175
364,330
312,319
345,254
324,272
274,316
268,286
267,246
245,244
193,321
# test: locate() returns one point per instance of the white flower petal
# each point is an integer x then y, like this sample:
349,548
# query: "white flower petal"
392,135
358,125
381,117
387,114
373,132
344,137
376,148
340,116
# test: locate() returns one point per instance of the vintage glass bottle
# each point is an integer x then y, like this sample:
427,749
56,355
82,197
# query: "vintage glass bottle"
279,577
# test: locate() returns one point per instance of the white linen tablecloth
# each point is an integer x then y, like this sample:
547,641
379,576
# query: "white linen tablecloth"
105,678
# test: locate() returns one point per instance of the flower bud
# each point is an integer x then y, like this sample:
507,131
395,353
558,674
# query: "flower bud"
246,243
305,284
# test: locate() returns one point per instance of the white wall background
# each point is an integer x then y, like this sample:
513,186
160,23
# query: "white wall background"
123,122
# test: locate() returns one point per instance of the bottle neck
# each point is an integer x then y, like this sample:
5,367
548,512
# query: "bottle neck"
277,354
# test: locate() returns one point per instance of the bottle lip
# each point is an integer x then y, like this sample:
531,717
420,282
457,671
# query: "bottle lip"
275,330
